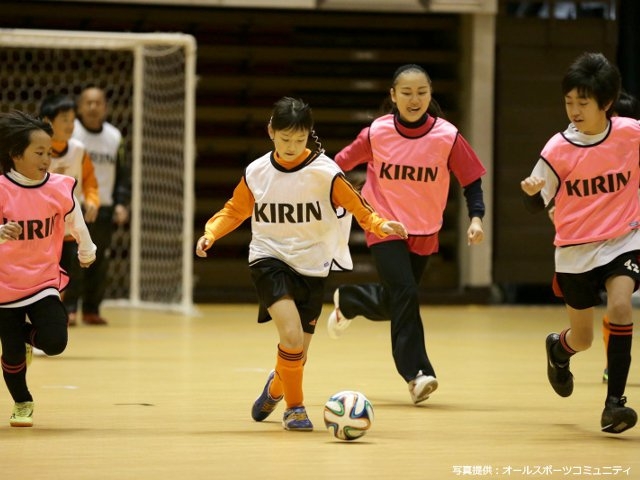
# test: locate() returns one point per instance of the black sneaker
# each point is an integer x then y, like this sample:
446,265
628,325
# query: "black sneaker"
616,418
560,378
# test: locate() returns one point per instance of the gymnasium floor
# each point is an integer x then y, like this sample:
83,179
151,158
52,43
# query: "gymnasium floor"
158,395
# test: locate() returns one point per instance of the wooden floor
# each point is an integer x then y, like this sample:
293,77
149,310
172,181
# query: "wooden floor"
156,395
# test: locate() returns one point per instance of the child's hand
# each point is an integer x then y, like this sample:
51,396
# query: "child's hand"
394,228
90,213
10,231
532,185
475,234
87,264
202,246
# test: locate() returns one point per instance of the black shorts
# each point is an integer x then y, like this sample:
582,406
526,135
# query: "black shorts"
583,290
273,279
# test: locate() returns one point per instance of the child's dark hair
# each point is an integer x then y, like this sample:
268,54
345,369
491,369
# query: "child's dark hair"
409,67
52,105
593,76
627,106
15,135
293,114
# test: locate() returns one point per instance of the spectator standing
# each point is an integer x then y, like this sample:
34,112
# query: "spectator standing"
105,145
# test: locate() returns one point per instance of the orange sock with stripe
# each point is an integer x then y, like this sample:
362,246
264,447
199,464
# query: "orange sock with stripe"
288,378
276,389
618,358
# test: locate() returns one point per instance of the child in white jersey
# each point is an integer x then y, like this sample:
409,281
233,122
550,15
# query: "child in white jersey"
292,195
36,207
591,171
410,154
70,157
106,146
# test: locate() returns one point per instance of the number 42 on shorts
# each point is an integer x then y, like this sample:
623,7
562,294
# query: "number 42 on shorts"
632,266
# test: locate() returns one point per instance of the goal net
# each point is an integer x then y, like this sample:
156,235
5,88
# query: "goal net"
150,85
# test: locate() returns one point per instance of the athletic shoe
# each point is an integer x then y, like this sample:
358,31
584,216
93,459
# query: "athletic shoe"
22,415
337,323
72,319
559,375
616,418
605,376
39,353
265,403
93,319
29,353
296,419
422,386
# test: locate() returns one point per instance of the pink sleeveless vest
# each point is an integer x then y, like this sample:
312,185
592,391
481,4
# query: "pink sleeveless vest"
408,179
597,196
32,263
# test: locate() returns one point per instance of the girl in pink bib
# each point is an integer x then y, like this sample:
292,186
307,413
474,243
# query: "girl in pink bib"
36,207
410,155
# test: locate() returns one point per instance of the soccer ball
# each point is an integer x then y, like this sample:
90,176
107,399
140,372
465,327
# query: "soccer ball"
348,415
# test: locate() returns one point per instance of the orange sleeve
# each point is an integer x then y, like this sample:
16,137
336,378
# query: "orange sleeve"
346,196
89,181
235,211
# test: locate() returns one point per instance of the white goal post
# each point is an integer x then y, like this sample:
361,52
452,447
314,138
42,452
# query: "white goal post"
150,81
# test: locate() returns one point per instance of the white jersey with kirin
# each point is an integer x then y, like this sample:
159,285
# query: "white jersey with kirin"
293,218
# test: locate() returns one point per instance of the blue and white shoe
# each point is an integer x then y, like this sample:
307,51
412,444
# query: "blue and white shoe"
296,419
265,403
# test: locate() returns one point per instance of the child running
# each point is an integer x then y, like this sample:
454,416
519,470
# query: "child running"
410,155
36,206
591,171
292,195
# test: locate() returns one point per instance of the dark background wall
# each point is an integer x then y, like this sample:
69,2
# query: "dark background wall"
341,63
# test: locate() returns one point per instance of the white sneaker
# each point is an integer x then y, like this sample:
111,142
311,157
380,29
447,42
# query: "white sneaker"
422,386
337,323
